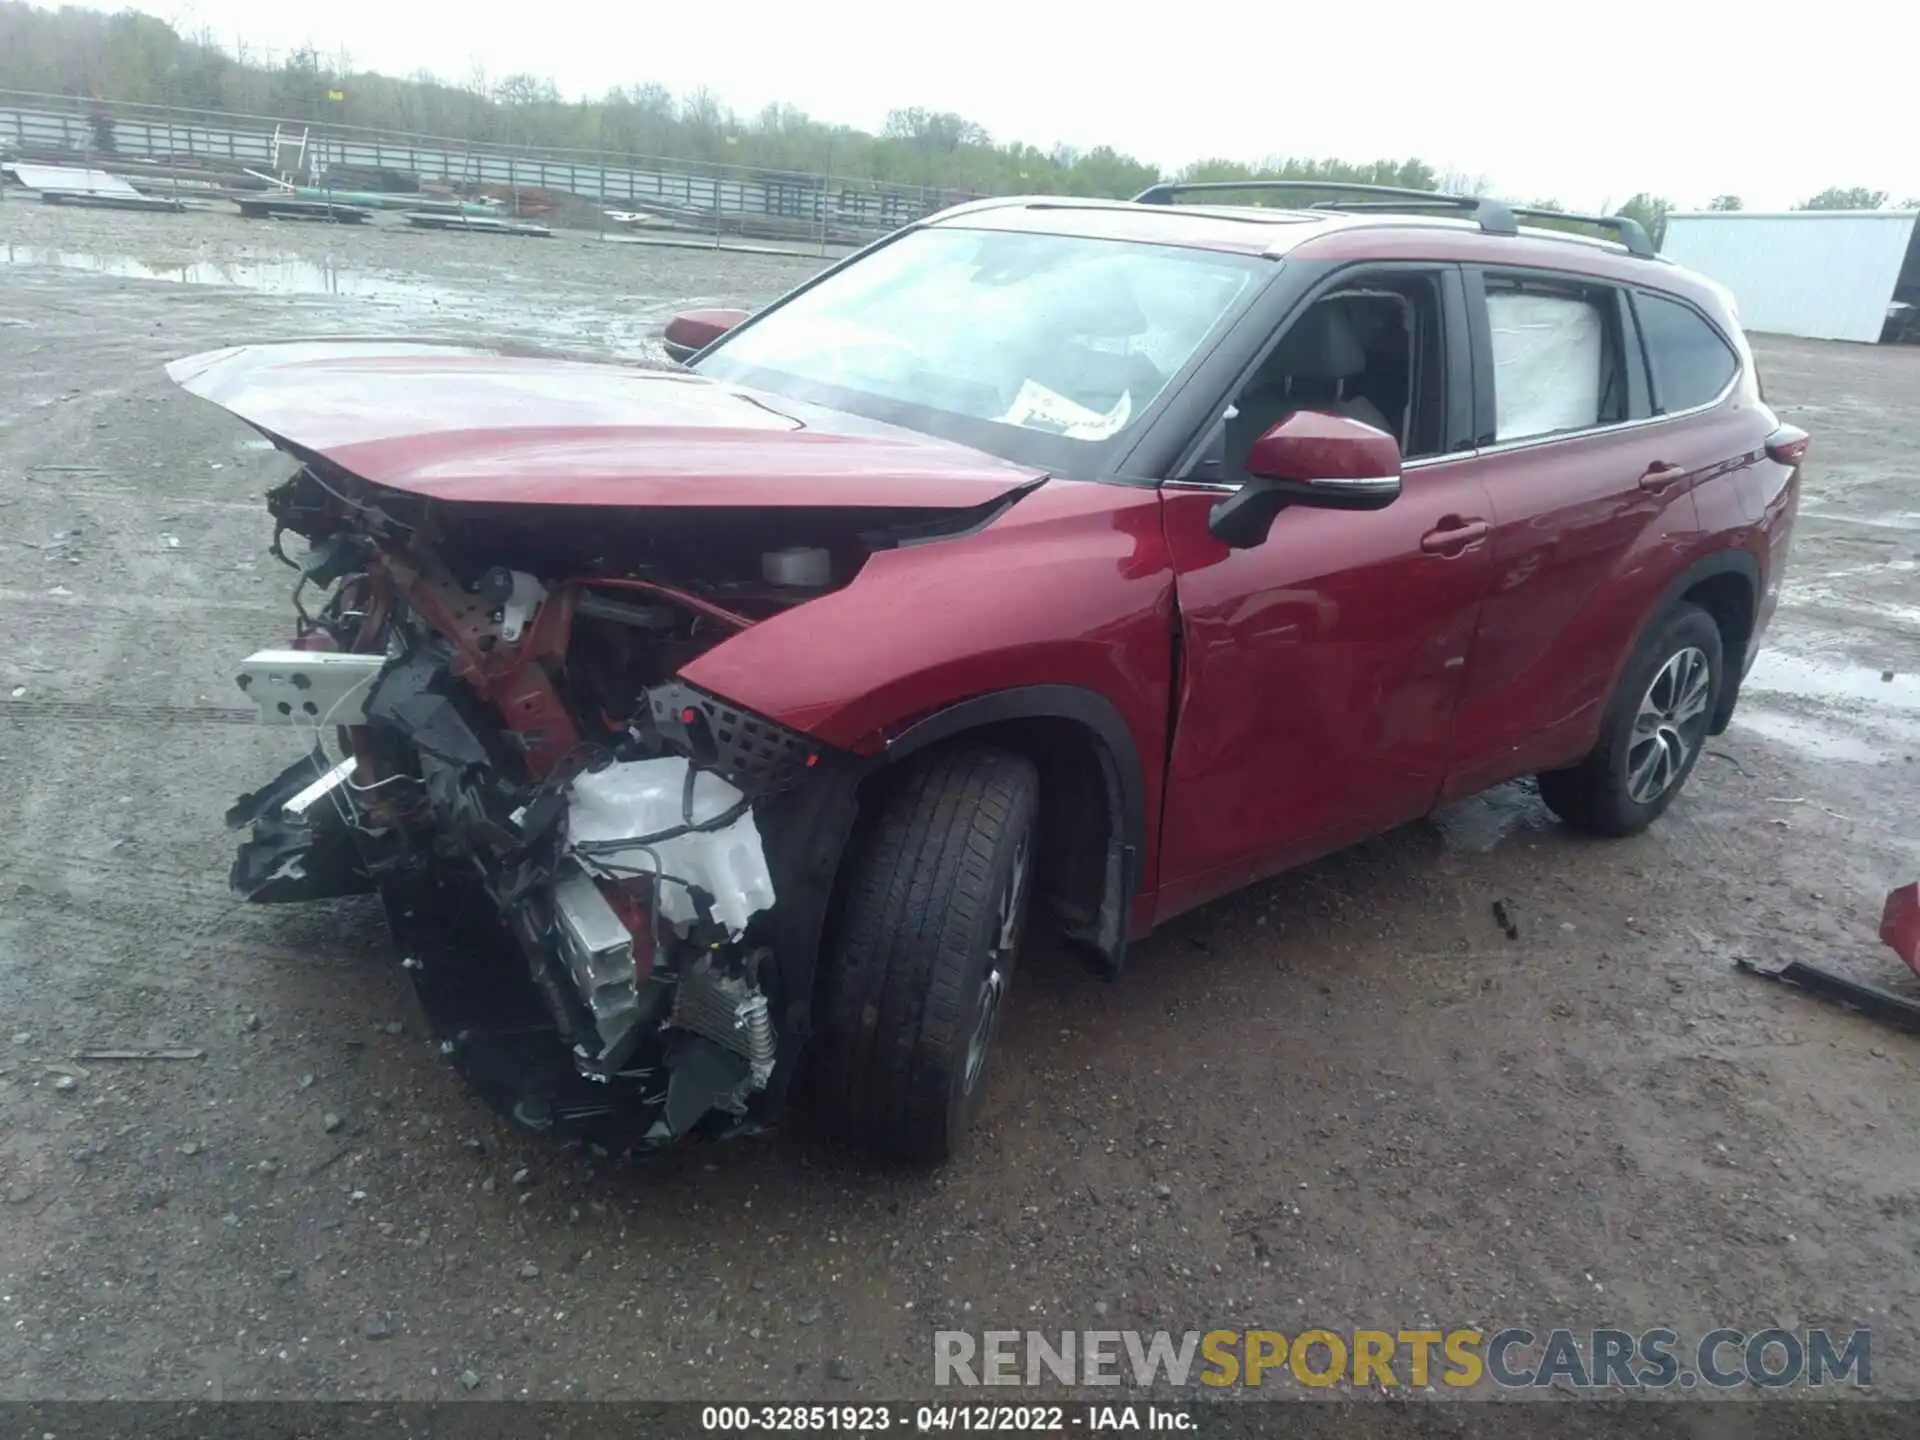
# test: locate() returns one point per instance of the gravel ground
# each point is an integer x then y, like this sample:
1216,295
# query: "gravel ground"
1344,1098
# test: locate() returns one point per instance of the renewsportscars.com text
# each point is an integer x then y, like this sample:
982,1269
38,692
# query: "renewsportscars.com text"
1514,1357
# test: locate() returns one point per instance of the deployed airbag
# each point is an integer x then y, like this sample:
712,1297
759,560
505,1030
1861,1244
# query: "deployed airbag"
1546,363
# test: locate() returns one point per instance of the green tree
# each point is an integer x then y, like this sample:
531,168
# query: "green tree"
1105,171
1849,197
1651,211
1725,202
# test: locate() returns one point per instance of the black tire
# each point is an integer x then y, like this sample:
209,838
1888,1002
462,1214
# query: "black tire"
1604,794
925,910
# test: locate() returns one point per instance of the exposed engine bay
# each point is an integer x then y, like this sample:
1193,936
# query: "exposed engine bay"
608,885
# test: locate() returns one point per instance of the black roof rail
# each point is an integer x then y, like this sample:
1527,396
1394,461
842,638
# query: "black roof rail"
1624,228
1164,193
1493,216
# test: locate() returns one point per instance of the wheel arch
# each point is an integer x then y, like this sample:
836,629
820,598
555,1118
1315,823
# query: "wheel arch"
1725,584
1089,853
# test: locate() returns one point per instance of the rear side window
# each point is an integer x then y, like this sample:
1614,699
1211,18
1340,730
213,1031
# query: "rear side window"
1557,358
1691,363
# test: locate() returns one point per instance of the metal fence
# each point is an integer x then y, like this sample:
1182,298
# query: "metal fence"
715,198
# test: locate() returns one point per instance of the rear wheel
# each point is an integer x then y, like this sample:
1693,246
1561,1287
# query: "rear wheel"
1651,738
918,973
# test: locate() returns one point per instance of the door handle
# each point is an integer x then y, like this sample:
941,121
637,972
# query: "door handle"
1659,476
1451,538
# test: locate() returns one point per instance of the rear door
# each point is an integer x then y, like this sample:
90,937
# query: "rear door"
1320,669
1591,507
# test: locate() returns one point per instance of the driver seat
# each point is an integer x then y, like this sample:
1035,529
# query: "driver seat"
1308,370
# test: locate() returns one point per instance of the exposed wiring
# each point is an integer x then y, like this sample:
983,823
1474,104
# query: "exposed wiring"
693,827
274,549
381,784
319,744
307,623
360,505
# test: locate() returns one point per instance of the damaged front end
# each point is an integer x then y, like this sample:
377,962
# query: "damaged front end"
608,885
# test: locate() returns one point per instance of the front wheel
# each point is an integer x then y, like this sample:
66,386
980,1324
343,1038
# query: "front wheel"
918,972
1655,727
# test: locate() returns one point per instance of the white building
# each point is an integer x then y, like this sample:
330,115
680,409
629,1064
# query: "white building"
1825,274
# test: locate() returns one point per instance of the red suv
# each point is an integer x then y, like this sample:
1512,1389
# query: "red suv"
708,729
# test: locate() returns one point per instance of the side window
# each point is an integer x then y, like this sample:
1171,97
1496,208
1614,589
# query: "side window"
1559,363
1691,363
1372,350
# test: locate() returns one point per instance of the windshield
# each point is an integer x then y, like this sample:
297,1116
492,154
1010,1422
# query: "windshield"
1043,349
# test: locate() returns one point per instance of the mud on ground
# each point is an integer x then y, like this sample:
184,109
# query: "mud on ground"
1345,1098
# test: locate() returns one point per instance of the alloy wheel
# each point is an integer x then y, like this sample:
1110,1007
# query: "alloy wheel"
1670,723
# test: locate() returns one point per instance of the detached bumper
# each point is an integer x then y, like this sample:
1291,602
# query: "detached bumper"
300,845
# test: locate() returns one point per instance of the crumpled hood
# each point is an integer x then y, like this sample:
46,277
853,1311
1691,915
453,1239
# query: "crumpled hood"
459,423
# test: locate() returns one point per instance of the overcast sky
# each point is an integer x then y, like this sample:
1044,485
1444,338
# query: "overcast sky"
1587,104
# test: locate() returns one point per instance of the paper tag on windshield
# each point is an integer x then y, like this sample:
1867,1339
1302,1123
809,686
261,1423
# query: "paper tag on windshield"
1036,407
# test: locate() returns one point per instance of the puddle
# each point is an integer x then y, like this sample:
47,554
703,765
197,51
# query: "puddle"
1810,737
625,328
1778,673
1825,585
1847,712
270,274
1866,606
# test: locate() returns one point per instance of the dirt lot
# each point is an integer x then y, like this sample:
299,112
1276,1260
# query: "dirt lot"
1345,1098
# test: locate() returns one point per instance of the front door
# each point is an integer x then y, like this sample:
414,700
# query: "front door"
1321,669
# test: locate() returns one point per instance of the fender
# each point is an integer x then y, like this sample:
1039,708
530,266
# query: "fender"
1120,771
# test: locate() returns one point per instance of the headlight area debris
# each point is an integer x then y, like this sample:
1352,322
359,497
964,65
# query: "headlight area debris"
608,885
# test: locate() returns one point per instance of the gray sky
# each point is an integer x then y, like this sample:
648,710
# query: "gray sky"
1584,104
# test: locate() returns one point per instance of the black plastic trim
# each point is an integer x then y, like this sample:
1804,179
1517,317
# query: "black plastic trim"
756,755
1623,228
1721,562
951,524
1485,418
1459,383
1492,216
1654,404
1639,371
1495,217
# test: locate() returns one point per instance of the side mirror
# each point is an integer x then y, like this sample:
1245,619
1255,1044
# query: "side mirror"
691,331
1328,461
